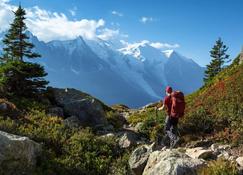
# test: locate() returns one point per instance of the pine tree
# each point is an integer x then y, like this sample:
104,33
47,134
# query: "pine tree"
19,78
219,58
16,41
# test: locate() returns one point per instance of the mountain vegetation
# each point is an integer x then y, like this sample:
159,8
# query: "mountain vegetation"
60,119
19,78
219,58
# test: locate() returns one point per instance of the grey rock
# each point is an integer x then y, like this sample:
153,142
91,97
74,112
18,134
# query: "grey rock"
88,110
200,152
138,159
17,154
128,139
171,162
218,148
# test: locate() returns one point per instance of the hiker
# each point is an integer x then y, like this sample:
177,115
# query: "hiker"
174,104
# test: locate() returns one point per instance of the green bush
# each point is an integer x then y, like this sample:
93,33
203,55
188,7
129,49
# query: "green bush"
22,79
198,122
115,119
153,123
219,167
66,151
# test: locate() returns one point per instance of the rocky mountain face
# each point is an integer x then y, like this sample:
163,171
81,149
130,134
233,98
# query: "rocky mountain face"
133,75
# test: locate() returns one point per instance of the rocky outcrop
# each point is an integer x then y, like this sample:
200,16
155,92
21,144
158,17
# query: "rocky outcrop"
138,159
154,159
171,162
88,110
18,155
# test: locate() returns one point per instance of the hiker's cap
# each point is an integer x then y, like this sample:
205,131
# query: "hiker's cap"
168,89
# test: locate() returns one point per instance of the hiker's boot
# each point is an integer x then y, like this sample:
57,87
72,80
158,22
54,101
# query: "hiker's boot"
174,142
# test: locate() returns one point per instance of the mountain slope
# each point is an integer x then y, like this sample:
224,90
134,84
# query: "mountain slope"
215,111
134,75
218,106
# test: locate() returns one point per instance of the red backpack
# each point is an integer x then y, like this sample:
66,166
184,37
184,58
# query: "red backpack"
178,104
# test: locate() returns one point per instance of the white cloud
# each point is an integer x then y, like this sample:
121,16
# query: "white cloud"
6,15
145,19
159,45
116,13
49,26
107,34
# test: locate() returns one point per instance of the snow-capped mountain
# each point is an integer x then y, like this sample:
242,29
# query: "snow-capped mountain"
131,74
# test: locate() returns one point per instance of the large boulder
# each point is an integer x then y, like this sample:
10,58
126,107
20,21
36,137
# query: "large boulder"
138,159
171,162
17,154
88,109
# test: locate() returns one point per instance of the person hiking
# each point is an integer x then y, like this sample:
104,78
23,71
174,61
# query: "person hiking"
174,104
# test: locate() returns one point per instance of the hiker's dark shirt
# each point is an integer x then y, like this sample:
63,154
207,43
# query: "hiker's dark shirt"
168,104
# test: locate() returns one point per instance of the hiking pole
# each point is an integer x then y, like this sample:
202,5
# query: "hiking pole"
157,124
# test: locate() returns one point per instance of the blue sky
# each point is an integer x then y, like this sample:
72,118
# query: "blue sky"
193,24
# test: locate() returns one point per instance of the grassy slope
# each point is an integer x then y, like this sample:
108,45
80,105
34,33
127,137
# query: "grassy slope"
218,106
216,109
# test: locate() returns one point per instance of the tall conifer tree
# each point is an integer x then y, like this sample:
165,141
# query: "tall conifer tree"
219,58
17,76
17,47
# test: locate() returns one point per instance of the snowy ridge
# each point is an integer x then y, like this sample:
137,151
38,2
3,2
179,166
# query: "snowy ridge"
116,71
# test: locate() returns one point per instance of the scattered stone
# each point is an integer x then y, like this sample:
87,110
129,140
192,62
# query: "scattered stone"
17,154
138,159
200,153
171,162
216,147
128,139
